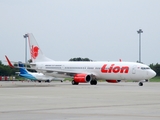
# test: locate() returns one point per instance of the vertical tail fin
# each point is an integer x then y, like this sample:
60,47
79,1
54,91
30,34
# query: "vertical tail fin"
35,51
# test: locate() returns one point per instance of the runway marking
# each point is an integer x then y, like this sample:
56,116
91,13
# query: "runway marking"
85,107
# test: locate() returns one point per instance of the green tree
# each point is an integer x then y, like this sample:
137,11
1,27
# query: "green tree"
5,70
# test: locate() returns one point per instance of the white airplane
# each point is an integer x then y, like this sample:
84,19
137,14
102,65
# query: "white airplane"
31,75
84,72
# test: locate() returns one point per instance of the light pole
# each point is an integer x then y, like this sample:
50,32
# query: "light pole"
25,36
139,32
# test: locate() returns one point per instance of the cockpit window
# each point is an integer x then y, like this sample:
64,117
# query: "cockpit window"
145,68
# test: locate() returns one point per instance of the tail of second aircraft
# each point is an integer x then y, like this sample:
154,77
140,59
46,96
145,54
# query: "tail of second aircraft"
24,72
35,51
22,69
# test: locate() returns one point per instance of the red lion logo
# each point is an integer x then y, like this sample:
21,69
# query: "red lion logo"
34,51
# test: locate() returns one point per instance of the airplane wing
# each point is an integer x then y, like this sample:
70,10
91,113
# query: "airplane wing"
71,73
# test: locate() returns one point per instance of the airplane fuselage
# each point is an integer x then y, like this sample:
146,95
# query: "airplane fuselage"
102,70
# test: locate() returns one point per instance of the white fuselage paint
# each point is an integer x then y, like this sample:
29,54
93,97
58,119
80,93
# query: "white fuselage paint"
136,71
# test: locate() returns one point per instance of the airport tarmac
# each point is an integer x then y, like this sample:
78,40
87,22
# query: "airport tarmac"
63,101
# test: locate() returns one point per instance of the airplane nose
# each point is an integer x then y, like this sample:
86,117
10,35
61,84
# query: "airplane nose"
152,74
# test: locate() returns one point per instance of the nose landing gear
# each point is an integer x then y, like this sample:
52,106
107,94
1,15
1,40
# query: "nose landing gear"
140,84
142,81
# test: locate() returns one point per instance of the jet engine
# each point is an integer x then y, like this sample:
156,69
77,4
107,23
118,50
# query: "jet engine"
82,78
113,81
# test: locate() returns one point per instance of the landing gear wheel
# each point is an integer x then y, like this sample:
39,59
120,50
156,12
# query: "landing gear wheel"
93,82
48,81
74,83
140,84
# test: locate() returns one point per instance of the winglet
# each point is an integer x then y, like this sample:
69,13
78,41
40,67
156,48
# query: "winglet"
9,63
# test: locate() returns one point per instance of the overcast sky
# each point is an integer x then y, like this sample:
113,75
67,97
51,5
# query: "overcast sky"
101,30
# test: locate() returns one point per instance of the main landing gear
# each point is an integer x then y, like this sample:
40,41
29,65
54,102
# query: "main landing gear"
93,82
39,81
74,83
142,81
48,81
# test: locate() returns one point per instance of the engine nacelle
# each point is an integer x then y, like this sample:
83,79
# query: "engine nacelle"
113,81
82,78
